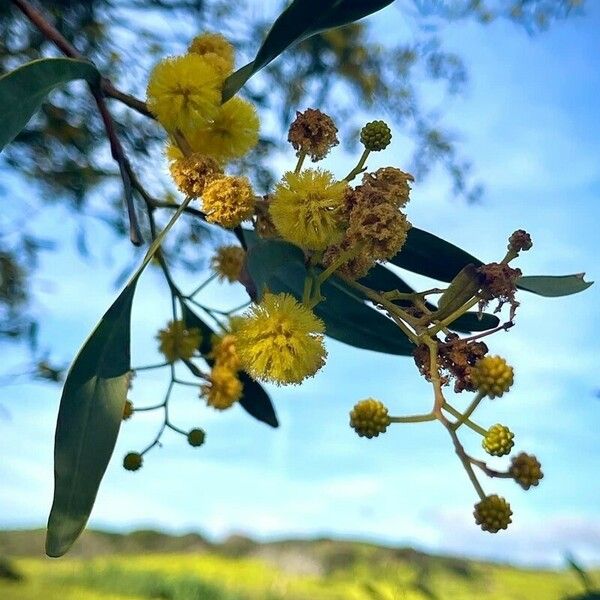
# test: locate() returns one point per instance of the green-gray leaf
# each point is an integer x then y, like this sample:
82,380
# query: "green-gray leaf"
429,255
89,418
24,89
554,286
300,20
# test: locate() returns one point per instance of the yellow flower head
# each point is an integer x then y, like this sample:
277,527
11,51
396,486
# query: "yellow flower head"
281,341
228,263
184,92
230,134
178,342
224,351
192,173
306,208
223,388
216,48
228,201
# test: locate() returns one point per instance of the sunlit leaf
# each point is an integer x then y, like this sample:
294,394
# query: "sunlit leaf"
89,418
554,286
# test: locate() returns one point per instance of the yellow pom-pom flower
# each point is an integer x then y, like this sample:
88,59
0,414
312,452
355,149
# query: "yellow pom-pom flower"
223,388
184,92
178,342
493,513
224,351
228,201
306,208
281,341
230,134
215,48
492,376
228,263
369,418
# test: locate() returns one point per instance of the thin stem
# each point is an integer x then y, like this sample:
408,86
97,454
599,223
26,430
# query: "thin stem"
414,418
466,461
395,312
470,410
166,417
359,168
301,157
458,415
174,428
306,293
53,35
506,326
451,318
201,286
488,471
147,408
149,367
195,384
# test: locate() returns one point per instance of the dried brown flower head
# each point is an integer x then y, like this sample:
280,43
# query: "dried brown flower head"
314,133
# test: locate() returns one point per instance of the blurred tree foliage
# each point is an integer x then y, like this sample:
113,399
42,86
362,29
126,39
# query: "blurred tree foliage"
61,157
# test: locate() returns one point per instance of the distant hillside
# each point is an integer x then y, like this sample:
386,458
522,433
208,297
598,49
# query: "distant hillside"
316,556
152,565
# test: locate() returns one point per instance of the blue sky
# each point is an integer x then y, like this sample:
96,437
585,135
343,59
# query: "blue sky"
529,119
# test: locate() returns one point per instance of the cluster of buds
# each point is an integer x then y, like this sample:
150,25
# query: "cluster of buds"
466,362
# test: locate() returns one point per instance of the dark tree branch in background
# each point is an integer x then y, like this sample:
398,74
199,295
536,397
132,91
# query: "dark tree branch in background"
116,149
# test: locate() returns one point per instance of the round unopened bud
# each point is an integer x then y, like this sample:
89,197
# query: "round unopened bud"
133,461
127,410
526,470
196,437
492,376
498,440
369,418
520,241
493,513
376,136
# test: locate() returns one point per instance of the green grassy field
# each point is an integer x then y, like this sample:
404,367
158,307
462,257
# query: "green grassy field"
315,570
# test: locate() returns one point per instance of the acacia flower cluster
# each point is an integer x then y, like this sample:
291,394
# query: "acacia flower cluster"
341,229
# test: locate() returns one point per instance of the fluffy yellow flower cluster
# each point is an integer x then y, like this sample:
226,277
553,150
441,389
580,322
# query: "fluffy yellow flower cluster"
280,340
353,227
224,387
184,93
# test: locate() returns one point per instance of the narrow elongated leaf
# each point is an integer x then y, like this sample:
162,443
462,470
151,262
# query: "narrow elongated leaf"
90,414
429,255
255,400
554,286
300,20
24,89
